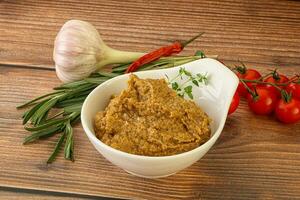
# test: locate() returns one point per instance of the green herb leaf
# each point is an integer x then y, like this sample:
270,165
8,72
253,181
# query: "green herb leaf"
188,89
175,86
69,146
70,102
200,53
190,95
73,108
108,74
181,71
28,114
46,124
41,133
187,73
57,148
36,99
71,85
43,110
195,82
120,68
202,78
96,80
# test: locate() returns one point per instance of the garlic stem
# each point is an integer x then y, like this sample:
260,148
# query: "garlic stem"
113,56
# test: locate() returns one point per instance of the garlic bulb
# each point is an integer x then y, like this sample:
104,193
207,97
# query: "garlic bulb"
79,51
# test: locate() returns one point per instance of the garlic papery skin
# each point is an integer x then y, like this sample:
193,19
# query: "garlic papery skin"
80,51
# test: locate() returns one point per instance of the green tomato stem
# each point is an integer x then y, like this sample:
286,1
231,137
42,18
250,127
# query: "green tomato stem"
248,88
267,83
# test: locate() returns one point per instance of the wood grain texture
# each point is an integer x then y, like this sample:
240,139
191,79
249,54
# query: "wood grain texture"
20,194
255,157
8,195
262,31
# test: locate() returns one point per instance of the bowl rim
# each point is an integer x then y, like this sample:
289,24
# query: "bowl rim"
98,142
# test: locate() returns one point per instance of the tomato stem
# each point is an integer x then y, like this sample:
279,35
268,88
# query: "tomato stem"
254,94
275,75
241,69
262,82
285,96
265,76
268,83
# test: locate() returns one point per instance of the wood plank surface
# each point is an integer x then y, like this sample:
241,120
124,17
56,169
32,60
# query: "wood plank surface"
265,31
248,161
255,157
8,195
21,194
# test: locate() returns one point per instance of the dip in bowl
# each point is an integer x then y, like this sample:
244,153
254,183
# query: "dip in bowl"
151,119
214,99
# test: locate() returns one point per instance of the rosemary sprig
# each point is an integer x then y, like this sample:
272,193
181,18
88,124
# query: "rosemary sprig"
67,99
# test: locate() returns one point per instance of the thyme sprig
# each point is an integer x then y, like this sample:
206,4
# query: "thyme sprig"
57,112
186,88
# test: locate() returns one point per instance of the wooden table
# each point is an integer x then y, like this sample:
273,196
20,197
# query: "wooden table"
255,157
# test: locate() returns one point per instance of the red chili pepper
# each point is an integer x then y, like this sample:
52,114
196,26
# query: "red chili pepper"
174,48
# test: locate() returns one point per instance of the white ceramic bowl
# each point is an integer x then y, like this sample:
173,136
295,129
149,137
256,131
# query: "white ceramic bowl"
213,98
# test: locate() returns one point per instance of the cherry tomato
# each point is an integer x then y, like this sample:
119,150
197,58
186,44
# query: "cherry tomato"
250,74
234,103
294,89
264,103
278,78
288,112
